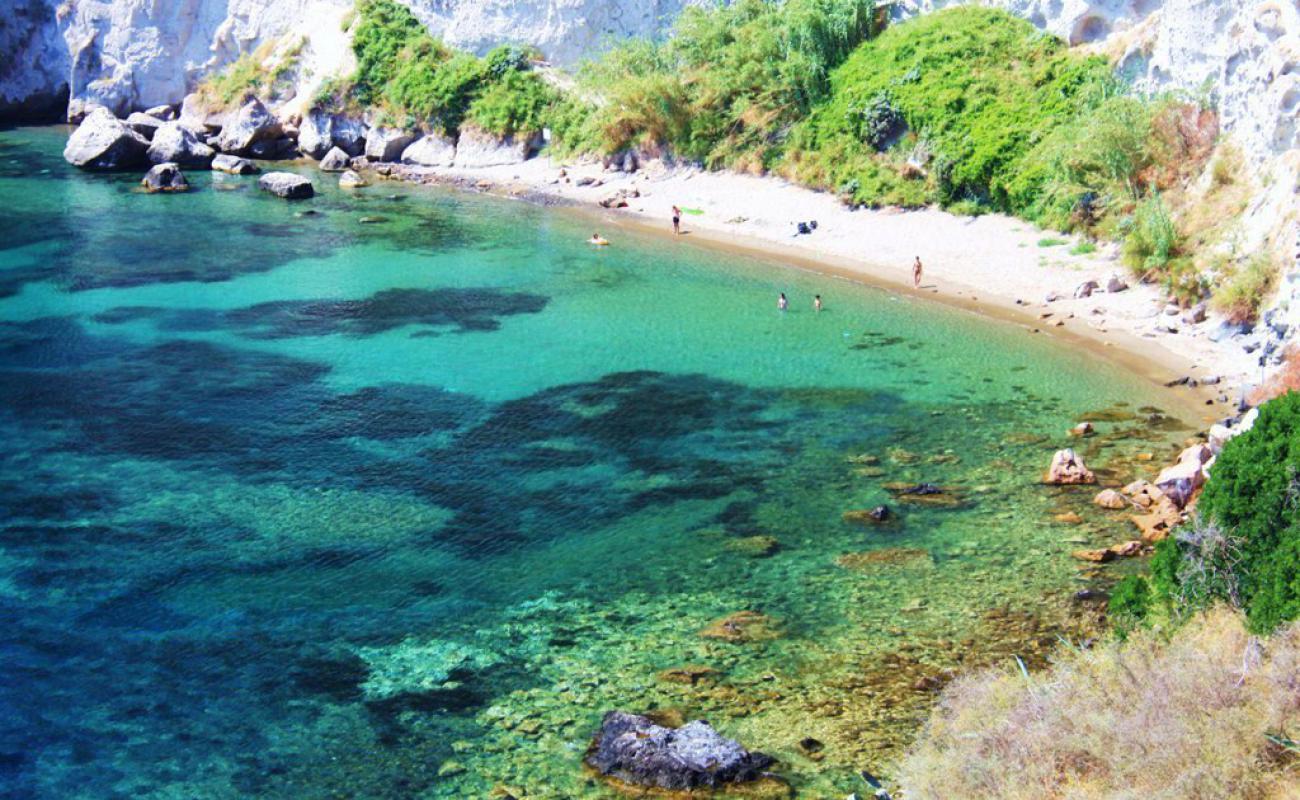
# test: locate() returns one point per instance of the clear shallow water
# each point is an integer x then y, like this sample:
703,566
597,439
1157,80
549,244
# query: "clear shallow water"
305,506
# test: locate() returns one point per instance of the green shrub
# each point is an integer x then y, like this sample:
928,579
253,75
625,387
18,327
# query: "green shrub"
1130,602
1153,240
256,73
1254,494
1083,248
730,81
983,88
517,103
414,79
1051,241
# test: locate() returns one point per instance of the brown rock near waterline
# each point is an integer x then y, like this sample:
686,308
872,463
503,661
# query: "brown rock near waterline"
1096,556
754,546
742,627
1068,469
1109,498
1068,518
888,557
1083,429
689,674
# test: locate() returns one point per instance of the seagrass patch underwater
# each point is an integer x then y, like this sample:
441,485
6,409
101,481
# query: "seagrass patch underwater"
295,505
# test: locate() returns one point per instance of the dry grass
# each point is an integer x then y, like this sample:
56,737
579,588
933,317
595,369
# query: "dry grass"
1147,718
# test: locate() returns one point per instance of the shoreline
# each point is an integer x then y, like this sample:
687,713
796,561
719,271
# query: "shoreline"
999,254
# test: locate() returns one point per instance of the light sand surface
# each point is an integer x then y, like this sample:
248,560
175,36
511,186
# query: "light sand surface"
994,264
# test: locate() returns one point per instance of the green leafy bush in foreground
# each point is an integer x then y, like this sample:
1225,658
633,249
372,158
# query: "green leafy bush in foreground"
1246,548
981,88
408,75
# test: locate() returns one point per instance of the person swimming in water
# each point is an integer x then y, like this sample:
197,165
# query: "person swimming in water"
677,220
817,302
781,303
598,240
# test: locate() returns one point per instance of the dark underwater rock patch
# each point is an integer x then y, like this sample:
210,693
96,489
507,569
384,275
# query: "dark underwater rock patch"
464,310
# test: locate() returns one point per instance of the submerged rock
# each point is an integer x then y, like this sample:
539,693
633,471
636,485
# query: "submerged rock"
633,749
234,165
103,142
286,185
890,556
351,180
741,627
165,177
875,516
754,546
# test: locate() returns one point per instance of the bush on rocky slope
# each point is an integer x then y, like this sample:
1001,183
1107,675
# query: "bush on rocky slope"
1204,715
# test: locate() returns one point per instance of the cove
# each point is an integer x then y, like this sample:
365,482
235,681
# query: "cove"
392,494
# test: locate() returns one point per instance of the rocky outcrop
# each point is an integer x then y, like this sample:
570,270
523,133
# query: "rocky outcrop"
234,165
34,62
104,142
1067,468
431,150
286,185
387,144
635,750
165,178
252,124
143,124
177,143
335,161
478,148
199,116
316,134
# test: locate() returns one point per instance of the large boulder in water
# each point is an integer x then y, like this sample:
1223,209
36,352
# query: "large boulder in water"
387,144
636,750
335,161
478,148
143,124
251,124
433,150
165,178
104,142
177,143
234,165
286,185
1068,468
316,134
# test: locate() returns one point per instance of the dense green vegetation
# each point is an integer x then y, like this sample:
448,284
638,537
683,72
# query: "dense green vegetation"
970,108
729,83
261,73
1244,550
406,74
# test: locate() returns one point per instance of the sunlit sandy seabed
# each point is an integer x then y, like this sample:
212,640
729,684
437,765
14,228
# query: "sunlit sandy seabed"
395,499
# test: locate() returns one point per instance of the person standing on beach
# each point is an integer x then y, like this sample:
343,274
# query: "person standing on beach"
817,302
916,273
677,220
781,303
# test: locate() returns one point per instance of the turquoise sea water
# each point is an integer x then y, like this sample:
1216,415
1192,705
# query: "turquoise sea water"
396,499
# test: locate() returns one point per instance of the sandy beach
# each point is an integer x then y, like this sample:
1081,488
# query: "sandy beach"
993,264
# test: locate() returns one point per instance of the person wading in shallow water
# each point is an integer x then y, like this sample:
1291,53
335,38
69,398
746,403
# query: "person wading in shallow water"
916,273
817,302
781,303
677,220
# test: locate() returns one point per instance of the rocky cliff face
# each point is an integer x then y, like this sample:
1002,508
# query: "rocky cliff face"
129,54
